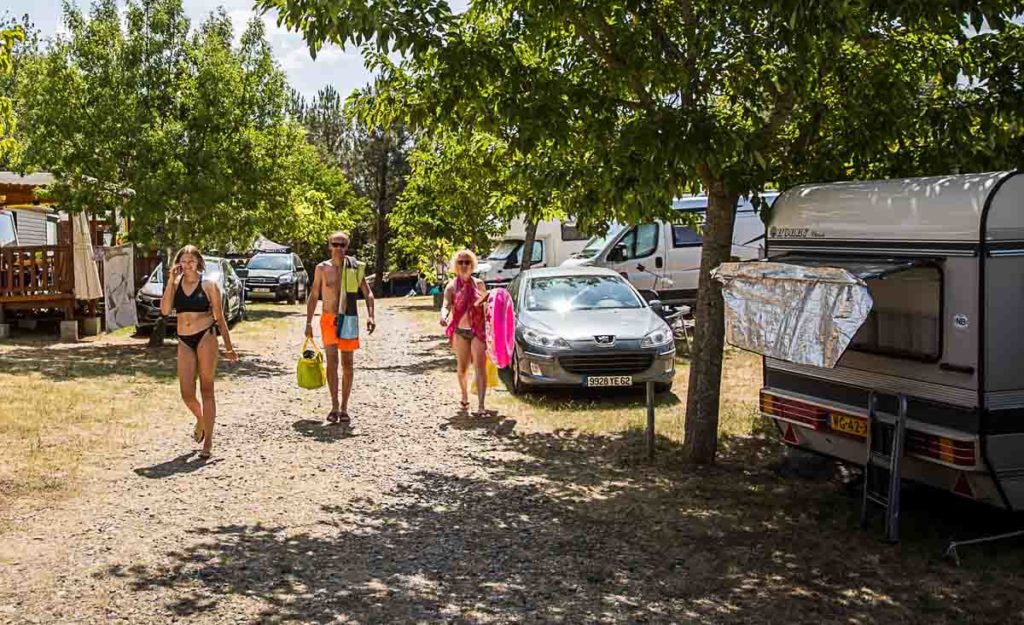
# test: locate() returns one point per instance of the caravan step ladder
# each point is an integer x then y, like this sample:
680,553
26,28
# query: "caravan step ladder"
882,468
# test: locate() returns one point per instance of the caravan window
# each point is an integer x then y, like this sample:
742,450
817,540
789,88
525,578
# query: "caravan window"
640,242
571,233
905,318
7,236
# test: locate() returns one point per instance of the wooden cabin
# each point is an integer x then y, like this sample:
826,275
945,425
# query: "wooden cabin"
36,267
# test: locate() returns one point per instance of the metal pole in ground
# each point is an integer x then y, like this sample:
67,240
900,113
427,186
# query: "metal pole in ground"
649,434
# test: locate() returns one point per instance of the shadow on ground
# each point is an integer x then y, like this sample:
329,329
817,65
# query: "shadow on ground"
89,360
571,528
322,431
181,465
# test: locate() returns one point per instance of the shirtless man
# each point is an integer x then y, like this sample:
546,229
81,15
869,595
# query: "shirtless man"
337,281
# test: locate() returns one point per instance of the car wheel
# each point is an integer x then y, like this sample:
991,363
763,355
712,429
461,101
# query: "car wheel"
515,379
143,330
293,295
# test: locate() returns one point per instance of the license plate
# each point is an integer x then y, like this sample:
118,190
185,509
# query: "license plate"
262,290
609,380
855,426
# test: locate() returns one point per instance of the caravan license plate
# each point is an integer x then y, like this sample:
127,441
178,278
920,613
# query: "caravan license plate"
609,380
855,426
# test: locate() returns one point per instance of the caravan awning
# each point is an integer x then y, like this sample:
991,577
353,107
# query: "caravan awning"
804,310
863,268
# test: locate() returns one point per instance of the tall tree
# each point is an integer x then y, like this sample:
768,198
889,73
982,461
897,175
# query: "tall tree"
623,105
9,37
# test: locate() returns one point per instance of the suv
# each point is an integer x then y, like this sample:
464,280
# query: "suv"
276,276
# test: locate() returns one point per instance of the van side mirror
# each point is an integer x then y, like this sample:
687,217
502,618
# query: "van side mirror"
617,254
145,278
657,307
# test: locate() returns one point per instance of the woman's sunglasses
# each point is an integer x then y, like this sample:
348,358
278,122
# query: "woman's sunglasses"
339,245
463,262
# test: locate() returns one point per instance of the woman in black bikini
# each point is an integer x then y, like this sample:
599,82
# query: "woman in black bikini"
197,303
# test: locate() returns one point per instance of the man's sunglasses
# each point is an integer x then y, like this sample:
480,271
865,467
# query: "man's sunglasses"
339,245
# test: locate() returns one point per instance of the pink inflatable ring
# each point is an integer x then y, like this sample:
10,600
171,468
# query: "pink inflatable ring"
501,328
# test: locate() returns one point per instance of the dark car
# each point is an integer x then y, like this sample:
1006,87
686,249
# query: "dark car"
147,300
276,276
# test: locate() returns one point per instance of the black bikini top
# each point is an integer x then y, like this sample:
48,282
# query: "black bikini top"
196,302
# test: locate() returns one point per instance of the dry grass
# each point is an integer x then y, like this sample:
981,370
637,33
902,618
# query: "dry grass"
64,408
610,411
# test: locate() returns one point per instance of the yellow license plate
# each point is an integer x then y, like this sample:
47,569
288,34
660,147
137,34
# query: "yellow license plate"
847,424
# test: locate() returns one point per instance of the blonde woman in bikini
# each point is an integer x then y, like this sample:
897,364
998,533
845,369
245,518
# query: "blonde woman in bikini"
463,319
197,303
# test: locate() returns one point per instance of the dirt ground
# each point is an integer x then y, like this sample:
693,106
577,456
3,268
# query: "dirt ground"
415,515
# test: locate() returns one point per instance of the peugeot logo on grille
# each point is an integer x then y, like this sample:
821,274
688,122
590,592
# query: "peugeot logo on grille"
604,339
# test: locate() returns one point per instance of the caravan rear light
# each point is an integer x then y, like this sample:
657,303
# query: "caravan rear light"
792,410
960,453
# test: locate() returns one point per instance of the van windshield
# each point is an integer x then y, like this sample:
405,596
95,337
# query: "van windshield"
6,229
504,250
596,244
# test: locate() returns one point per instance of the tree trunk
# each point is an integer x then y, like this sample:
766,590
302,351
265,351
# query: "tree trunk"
380,249
700,442
531,236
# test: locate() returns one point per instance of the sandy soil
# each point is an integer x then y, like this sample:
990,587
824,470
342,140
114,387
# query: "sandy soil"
415,515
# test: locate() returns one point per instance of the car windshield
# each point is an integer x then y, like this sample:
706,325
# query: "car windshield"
504,250
568,293
596,244
273,262
6,229
213,272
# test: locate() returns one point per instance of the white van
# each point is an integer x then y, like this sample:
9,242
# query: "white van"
665,257
555,242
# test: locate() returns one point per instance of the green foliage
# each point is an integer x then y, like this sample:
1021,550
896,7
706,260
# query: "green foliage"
194,124
9,37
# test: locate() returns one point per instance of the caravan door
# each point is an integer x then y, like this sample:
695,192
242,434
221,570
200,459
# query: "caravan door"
640,247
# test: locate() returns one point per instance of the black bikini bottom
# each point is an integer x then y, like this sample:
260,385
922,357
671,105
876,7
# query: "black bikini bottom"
192,340
465,333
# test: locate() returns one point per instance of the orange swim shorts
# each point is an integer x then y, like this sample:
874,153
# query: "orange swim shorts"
329,334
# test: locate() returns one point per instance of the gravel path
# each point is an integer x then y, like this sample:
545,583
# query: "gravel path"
416,516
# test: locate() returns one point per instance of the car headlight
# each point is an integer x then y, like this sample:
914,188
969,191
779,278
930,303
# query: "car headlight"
286,278
661,336
543,339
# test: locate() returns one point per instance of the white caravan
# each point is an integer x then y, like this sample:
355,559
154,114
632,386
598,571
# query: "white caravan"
665,257
555,242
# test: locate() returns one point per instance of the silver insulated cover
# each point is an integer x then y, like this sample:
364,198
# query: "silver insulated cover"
800,313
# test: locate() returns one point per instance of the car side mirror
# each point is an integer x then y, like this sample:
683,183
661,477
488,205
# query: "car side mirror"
657,307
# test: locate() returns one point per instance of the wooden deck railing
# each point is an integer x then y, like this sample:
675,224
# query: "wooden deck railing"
37,272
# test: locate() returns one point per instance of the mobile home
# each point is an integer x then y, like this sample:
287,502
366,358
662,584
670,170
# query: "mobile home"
899,293
555,242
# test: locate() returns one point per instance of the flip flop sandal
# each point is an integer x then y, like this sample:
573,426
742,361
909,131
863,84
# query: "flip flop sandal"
464,407
205,455
344,418
198,433
332,417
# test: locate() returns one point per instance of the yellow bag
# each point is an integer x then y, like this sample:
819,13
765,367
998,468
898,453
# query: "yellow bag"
310,370
492,374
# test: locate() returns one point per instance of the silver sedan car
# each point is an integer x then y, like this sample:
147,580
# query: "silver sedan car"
586,327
